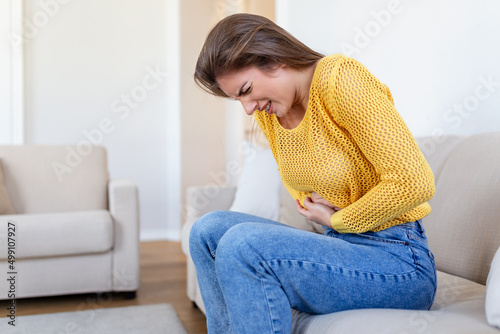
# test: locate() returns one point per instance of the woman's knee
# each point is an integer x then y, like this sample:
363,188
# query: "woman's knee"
207,224
204,228
209,229
242,243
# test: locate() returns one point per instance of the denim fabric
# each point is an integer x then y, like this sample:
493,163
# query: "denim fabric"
252,271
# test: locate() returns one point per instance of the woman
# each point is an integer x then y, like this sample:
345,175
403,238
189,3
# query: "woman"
352,165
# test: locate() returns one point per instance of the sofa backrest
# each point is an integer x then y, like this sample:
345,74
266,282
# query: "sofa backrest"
464,226
55,178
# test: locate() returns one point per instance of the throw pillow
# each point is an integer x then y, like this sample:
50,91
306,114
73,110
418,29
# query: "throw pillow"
258,191
5,204
493,292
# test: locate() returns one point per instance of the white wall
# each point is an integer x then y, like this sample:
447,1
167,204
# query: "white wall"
96,70
11,73
212,128
5,69
439,58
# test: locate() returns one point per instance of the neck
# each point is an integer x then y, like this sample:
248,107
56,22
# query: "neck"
303,79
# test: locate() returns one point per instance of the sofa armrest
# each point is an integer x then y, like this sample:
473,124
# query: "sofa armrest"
202,200
124,208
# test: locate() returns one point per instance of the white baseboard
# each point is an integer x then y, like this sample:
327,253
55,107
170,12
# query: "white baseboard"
157,234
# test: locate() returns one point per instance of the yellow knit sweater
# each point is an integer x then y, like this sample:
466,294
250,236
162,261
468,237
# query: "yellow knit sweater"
354,149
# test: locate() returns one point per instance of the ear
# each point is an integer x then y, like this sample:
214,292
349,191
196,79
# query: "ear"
273,70
279,67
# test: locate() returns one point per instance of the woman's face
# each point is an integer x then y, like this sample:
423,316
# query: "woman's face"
256,89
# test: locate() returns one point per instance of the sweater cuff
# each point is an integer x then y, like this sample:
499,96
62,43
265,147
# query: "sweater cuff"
337,223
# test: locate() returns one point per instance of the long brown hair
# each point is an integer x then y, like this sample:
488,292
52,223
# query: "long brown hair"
243,40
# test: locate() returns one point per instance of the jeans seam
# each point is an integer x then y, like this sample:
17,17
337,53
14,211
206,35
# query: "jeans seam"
397,242
262,279
414,237
271,317
414,254
353,271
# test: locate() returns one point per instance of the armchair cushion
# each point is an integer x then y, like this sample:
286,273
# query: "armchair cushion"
59,234
493,292
56,171
5,204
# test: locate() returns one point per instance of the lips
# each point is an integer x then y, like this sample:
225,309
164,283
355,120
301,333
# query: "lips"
268,108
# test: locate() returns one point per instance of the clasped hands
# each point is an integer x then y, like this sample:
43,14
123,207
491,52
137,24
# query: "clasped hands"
317,209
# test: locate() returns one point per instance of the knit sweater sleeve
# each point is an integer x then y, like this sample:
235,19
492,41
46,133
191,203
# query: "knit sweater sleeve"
363,107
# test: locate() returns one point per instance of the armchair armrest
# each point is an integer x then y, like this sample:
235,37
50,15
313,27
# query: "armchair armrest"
202,200
124,208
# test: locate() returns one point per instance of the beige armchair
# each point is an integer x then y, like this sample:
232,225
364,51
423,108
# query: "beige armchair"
74,230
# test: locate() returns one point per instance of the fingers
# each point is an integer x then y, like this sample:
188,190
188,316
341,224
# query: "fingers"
316,212
303,211
299,206
317,199
307,202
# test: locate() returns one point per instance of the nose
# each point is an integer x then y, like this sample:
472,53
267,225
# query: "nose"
249,105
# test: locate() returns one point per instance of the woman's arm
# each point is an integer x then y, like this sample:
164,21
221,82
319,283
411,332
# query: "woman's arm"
363,107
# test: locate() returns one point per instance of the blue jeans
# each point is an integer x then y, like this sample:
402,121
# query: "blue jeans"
252,271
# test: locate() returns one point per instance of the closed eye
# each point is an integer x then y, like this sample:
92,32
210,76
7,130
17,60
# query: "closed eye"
241,92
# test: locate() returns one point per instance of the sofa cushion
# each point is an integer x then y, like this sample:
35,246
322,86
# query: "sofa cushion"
46,178
58,234
458,308
436,149
493,292
258,191
5,204
289,214
464,227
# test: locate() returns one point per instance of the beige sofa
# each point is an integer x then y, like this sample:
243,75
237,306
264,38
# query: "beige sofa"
463,231
76,231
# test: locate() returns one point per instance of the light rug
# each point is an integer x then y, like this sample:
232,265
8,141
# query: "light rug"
144,319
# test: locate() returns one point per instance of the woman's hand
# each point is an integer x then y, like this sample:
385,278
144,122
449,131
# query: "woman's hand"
316,198
317,209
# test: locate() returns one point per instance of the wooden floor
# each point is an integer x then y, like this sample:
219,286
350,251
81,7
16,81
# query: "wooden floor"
163,280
